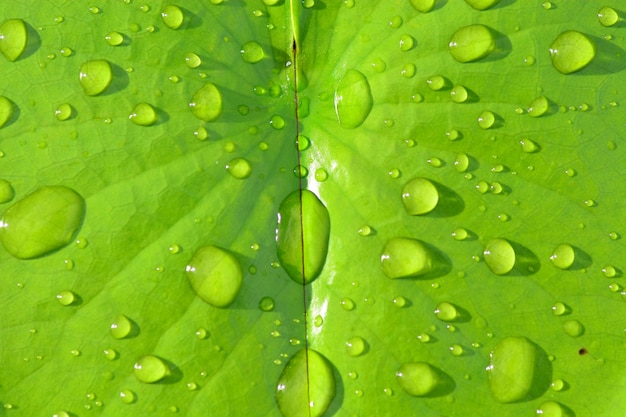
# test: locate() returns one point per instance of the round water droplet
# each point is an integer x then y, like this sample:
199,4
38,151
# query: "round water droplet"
306,386
436,82
511,369
95,76
552,409
252,52
408,70
302,143
460,234
277,122
423,6
66,298
609,271
400,301
353,99
114,38
202,333
472,43
13,38
419,196
557,385
482,187
558,309
347,304
127,396
143,115
395,22
407,42
563,256
6,191
206,103
192,60
461,162
459,94
239,168
321,175
121,327
63,112
572,51
172,16
215,275
419,378
6,110
61,413
365,230
446,312
150,369
529,146
573,328
456,349
404,257
608,16
379,65
356,346
538,107
482,4
266,304
499,256
302,235
486,119
42,222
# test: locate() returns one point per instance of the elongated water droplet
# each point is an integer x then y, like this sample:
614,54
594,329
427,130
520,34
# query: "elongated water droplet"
306,387
511,369
206,103
419,378
572,51
472,43
538,107
403,257
114,38
573,328
419,196
461,162
6,110
6,191
563,256
446,311
150,369
529,146
482,4
95,76
459,94
42,222
13,38
302,236
353,99
172,16
66,298
252,52
499,256
143,115
215,275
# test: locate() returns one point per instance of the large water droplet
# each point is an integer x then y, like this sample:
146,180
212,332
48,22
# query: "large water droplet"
6,191
306,387
511,369
446,311
150,369
42,222
95,76
302,235
122,327
403,258
13,38
499,256
252,52
608,16
472,43
215,275
423,6
539,107
172,16
419,196
482,4
143,115
421,379
553,409
353,99
6,110
206,103
572,51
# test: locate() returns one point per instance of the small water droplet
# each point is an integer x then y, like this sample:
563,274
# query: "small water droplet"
557,385
538,107
127,396
609,271
559,309
143,115
395,22
436,82
239,168
446,311
95,76
172,16
63,112
356,346
456,349
252,52
608,16
347,304
150,369
266,304
573,328
66,298
400,301
460,233
482,4
423,337
563,256
404,257
459,94
419,378
114,38
122,327
365,230
486,119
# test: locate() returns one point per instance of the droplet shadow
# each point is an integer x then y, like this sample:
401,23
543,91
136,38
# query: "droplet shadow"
119,80
441,263
445,385
16,114
609,59
542,375
175,374
582,259
33,42
337,402
503,47
191,20
450,203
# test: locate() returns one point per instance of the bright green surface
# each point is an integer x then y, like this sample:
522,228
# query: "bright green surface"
148,189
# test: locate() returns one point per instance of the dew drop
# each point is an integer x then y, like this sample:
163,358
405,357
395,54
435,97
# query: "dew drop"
573,328
192,60
482,4
563,256
306,386
353,99
95,76
6,110
266,304
456,349
471,43
423,6
511,369
419,378
150,369
407,42
202,333
206,103
436,82
608,16
110,353
461,162
559,309
365,230
404,257
459,94
42,222
408,70
215,275
499,256
277,122
321,175
552,409
63,112
66,298
13,38
121,327
423,337
609,271
400,301
557,385
347,304
252,52
419,196
446,311
6,191
127,396
114,38
395,22
302,235
572,51
538,107
356,346
379,65
460,233
143,115
239,168
486,119
172,16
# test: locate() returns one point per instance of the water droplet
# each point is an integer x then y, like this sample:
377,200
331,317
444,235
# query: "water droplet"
573,328
206,103
608,16
538,107
609,271
353,99
459,94
395,22
553,409
546,5
379,65
423,6
302,235
252,52
482,187
215,275
63,112
122,327
277,122
6,110
321,175
6,191
572,51
143,115
435,162
563,256
482,4
356,346
456,349
423,337
557,385
306,386
419,196
408,70
110,353
461,162
472,43
66,298
239,168
300,171
13,38
127,396
75,352
42,222
202,333
558,309
614,236
499,256
486,119
114,38
404,258
454,134
511,369
614,287
61,413
460,233
419,378
529,146
347,304
394,173
95,76
400,301
589,203
318,321
365,230
446,312
407,42
436,82
150,369
266,304
172,16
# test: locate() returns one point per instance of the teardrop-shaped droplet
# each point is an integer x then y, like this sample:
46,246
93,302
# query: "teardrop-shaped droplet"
353,99
6,110
42,222
122,327
419,378
252,52
13,38
572,51
419,196
172,16
143,115
95,76
538,107
511,369
472,43
215,275
446,311
150,369
302,235
206,103
403,257
306,387
6,191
